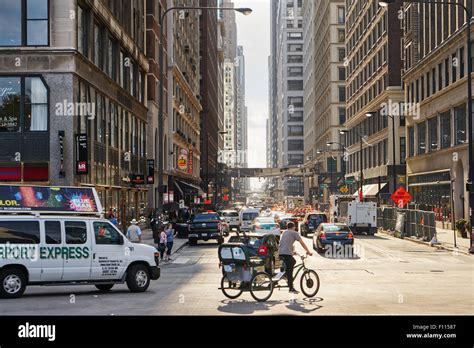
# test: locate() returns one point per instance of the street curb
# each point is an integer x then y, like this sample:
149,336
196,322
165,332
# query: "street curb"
439,246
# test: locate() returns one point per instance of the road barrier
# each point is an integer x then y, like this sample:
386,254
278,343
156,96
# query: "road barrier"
407,223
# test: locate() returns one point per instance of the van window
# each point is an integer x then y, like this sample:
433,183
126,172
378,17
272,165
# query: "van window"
105,234
19,232
249,216
76,232
53,232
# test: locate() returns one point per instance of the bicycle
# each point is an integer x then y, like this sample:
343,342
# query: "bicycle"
263,283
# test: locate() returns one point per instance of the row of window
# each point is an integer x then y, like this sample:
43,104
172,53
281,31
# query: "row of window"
368,127
372,156
75,232
107,54
434,80
440,132
377,87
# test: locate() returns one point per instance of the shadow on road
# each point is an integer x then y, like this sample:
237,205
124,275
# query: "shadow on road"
304,306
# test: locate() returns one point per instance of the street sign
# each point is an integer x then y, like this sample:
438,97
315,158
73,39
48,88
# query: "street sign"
349,181
324,186
344,189
401,197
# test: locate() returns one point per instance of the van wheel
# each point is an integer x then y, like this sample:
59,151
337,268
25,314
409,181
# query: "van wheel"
104,287
12,283
138,278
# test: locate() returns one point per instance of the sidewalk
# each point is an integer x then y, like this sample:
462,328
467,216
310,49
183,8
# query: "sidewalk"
147,238
445,240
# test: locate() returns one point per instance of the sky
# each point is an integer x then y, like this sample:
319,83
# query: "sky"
253,33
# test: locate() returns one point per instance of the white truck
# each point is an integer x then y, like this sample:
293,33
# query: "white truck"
57,236
362,217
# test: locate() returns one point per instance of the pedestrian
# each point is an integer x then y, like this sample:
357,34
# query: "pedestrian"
134,233
286,251
170,235
162,244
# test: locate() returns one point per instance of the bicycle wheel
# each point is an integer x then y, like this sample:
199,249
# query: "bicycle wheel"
231,289
261,287
309,283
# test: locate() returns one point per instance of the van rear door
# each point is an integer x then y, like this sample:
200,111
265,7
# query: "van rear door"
109,257
77,253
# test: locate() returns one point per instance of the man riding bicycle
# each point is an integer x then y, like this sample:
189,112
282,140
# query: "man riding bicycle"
286,251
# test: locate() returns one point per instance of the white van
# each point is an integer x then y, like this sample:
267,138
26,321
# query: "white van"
66,245
246,217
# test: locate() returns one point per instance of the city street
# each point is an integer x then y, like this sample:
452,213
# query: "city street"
386,276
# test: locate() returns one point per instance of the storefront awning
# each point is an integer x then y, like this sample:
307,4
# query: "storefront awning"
370,191
188,189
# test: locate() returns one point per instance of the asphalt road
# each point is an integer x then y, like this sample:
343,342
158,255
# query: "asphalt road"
385,276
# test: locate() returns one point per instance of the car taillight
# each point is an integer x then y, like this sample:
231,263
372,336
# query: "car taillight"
306,222
350,235
263,250
323,235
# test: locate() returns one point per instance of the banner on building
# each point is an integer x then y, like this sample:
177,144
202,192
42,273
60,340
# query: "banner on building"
82,164
191,160
150,177
183,160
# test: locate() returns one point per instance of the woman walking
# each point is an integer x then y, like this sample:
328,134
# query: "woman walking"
170,235
162,245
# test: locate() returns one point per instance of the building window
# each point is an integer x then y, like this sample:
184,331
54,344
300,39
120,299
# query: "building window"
446,72
24,23
295,85
461,62
342,94
82,31
295,145
341,35
342,73
433,134
341,54
295,116
445,125
421,128
341,15
294,160
295,131
23,104
295,47
294,36
342,116
295,102
295,71
403,150
292,59
332,165
460,124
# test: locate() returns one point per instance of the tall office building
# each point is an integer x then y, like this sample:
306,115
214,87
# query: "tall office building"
184,105
435,74
287,99
373,53
73,106
241,117
210,73
324,97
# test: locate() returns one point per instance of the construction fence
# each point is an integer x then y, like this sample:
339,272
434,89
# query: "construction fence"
407,223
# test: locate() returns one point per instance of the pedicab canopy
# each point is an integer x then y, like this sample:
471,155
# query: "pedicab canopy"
48,199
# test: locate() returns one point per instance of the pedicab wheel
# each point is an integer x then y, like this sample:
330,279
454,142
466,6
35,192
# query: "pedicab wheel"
231,289
309,283
261,287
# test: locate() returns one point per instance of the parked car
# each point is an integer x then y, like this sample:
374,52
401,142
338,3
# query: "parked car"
232,218
264,246
265,227
311,222
332,234
205,226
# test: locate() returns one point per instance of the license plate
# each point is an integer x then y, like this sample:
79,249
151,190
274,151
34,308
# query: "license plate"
337,244
228,268
204,234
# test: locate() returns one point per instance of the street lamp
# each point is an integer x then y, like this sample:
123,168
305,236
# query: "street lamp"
470,180
245,11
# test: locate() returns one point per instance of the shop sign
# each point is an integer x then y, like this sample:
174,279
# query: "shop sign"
183,160
82,164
